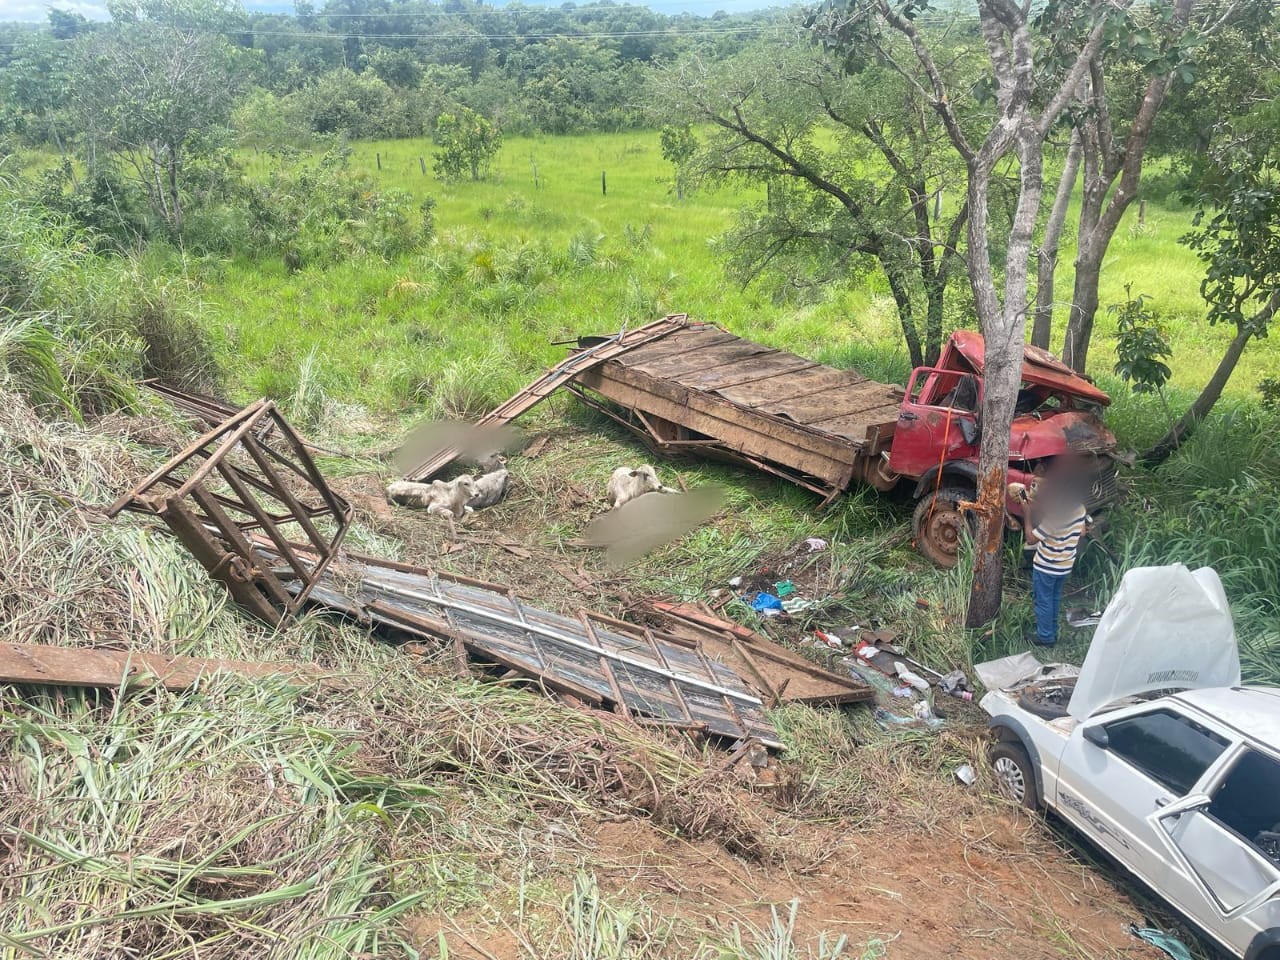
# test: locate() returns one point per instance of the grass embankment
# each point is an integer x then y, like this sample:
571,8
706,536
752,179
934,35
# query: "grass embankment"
409,813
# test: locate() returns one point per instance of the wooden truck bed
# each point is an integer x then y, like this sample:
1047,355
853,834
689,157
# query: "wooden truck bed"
700,389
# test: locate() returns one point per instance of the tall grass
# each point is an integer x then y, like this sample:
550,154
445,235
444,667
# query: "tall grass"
1213,504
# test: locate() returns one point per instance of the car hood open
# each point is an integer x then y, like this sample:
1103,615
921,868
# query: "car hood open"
1166,628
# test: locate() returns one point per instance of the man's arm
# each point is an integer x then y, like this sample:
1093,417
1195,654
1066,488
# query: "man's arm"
1029,529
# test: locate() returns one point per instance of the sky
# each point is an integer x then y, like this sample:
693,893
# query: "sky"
36,10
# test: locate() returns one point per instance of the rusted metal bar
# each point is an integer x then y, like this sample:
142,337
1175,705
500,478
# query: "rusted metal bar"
219,528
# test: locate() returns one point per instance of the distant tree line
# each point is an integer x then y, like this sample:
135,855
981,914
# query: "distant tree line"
385,68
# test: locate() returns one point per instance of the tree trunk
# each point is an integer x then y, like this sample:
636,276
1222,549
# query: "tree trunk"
934,294
1084,307
1121,167
1004,329
1047,255
1203,405
902,298
175,201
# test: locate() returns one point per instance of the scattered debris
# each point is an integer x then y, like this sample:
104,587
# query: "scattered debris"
89,667
778,674
909,677
816,544
591,355
228,486
1019,670
1081,617
1170,944
766,604
956,684
966,774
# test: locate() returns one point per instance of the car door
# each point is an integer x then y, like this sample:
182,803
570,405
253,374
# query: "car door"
1225,841
1119,770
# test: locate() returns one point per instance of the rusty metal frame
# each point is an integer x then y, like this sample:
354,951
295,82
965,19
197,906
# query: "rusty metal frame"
273,489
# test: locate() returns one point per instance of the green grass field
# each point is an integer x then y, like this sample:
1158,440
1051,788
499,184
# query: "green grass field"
515,266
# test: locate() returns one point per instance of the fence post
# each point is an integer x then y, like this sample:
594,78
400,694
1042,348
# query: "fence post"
422,165
378,156
604,185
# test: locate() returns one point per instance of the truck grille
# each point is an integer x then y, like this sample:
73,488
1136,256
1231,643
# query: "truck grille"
1105,488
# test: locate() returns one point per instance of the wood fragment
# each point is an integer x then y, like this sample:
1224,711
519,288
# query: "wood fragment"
86,667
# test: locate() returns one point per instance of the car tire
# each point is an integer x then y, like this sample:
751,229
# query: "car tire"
1047,700
1015,777
938,524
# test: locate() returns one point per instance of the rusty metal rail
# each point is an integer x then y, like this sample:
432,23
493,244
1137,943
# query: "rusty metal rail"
230,485
573,366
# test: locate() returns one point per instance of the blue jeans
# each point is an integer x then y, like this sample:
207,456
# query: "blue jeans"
1046,590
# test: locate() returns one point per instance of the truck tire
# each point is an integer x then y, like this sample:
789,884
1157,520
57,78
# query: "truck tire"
1014,775
938,523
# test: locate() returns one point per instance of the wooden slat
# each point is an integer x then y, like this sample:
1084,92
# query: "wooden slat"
548,383
680,342
757,370
802,383
714,356
87,667
833,404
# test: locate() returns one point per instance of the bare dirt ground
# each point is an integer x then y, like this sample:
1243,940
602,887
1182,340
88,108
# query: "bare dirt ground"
996,887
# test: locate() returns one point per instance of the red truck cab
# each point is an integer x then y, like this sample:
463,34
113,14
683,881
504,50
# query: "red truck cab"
939,428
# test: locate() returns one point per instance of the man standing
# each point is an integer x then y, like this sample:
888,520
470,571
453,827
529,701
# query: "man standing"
1056,536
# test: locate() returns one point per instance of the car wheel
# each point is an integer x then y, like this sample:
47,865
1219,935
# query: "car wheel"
938,524
1015,778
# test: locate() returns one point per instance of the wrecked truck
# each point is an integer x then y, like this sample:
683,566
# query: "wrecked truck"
1156,754
698,389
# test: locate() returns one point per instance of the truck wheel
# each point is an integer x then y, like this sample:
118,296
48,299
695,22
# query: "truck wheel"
937,524
1015,779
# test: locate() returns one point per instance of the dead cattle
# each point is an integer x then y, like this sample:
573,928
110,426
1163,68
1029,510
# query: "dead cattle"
489,489
626,484
438,497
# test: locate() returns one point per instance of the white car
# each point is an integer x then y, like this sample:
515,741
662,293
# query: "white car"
1157,754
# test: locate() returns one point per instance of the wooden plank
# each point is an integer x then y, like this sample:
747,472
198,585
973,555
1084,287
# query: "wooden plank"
752,372
800,384
792,445
861,423
88,667
833,404
715,356
691,338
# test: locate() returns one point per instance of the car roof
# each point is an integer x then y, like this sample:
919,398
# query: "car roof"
1253,711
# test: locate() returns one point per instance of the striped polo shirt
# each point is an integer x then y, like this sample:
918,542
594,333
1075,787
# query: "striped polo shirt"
1059,539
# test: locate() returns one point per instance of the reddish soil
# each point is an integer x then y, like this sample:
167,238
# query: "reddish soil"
997,887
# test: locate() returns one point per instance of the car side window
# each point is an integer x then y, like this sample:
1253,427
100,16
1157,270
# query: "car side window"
1170,749
1248,802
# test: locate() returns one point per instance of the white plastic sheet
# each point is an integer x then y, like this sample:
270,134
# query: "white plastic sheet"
1166,628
